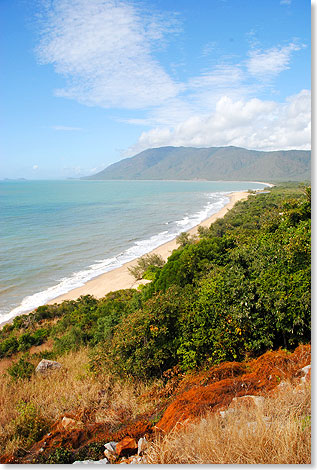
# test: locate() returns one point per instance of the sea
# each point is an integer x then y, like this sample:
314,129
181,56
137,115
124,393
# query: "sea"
57,235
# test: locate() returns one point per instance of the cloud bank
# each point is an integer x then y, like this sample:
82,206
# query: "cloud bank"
107,52
254,124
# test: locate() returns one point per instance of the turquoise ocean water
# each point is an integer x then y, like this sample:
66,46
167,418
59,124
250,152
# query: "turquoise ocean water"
57,235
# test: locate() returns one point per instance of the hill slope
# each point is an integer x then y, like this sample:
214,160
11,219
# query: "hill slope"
214,163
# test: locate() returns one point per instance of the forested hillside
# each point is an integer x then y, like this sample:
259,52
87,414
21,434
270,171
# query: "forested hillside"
214,163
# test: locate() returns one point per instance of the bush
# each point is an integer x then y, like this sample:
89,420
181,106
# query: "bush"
72,340
60,456
187,264
184,239
21,369
93,451
145,343
145,263
9,346
30,426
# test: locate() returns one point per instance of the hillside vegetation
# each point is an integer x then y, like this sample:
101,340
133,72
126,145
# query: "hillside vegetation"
214,163
227,315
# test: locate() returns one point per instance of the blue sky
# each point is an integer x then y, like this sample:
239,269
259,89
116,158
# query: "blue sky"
86,83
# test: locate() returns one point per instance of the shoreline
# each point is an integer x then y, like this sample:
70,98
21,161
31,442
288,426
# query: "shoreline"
120,278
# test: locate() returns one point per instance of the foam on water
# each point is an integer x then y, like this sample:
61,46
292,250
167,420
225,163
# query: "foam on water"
139,248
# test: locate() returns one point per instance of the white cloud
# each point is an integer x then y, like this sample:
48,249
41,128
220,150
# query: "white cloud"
35,167
267,64
254,124
104,49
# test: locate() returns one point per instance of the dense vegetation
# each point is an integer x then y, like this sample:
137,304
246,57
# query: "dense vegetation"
241,289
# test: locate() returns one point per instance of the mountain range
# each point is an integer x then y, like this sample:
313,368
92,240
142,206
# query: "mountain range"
214,163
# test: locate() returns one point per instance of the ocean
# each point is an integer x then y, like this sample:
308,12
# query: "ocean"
57,235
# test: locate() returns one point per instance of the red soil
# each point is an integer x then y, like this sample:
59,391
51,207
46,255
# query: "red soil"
214,389
190,397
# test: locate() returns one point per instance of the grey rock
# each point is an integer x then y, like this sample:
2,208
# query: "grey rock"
111,447
46,366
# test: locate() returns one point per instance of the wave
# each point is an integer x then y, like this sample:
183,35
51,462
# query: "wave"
140,247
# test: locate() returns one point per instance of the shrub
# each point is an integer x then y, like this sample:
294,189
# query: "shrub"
30,426
9,346
184,239
21,369
145,343
93,451
72,340
61,455
144,263
25,341
187,264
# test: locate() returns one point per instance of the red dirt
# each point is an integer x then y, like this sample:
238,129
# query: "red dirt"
190,397
264,374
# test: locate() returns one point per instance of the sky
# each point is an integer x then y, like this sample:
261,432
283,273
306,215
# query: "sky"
86,83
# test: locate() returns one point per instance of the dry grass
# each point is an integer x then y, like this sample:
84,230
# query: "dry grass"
72,390
277,433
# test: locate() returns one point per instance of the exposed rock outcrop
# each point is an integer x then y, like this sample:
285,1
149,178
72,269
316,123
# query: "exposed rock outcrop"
46,366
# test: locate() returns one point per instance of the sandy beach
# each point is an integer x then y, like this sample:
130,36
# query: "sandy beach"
121,278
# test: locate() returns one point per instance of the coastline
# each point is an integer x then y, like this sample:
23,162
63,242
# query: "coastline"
120,278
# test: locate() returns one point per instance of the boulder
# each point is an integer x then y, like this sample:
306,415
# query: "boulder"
126,447
46,366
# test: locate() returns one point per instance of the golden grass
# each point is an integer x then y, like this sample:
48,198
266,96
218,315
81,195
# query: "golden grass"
277,433
73,390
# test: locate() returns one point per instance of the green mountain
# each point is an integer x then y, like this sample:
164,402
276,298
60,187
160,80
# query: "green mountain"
214,163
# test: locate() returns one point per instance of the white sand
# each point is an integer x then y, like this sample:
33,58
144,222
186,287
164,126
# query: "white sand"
120,278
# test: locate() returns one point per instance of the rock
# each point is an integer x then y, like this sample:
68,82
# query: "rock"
46,366
304,373
111,447
69,423
246,401
142,445
127,446
102,461
109,455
